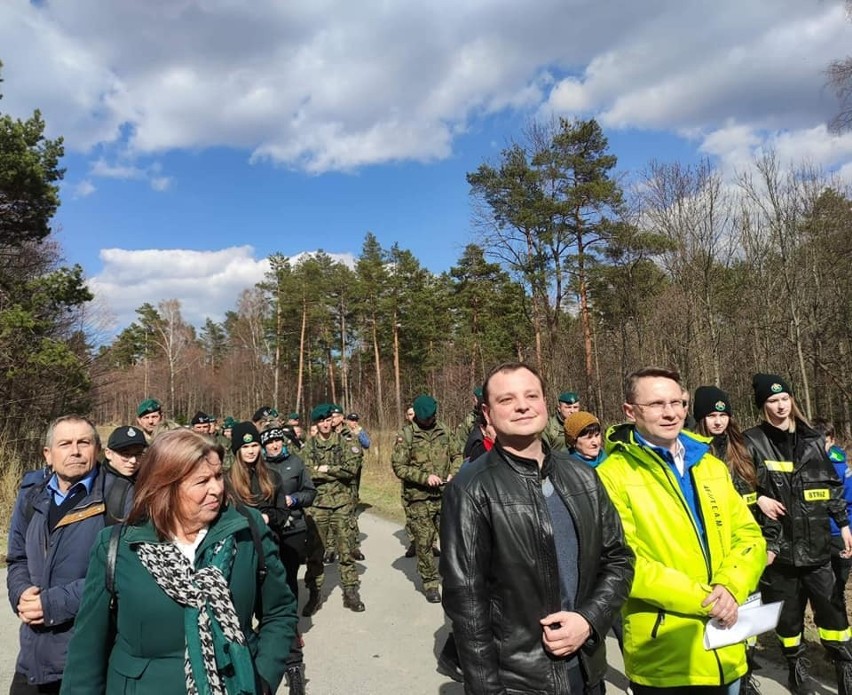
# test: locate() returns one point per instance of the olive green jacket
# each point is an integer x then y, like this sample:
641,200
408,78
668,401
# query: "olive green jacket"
554,434
419,453
343,459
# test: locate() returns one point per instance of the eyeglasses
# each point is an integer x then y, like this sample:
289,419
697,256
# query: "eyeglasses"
660,406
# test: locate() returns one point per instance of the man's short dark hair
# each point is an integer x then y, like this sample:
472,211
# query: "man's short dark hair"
508,368
824,427
658,372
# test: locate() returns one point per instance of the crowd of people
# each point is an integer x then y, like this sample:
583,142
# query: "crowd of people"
169,561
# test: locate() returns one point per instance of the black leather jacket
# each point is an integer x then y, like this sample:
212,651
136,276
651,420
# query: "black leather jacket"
794,469
500,576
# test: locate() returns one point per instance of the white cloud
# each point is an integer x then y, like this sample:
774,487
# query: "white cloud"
207,283
84,189
333,85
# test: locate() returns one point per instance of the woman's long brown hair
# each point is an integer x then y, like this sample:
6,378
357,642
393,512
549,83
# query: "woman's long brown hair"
737,456
239,481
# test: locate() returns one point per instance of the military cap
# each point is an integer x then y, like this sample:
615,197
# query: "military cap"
200,418
228,423
334,408
294,416
320,412
424,407
569,397
149,405
125,437
354,417
263,412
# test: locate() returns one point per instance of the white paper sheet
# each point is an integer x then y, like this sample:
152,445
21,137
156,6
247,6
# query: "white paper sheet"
753,618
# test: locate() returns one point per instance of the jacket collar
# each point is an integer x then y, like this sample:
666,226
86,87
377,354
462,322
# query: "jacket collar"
227,523
525,466
623,438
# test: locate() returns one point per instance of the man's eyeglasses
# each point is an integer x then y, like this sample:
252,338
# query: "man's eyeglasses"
660,406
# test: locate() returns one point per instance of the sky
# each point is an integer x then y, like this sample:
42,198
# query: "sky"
203,135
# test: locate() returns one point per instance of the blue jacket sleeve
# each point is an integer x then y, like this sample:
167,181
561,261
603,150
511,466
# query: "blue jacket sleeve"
18,574
364,439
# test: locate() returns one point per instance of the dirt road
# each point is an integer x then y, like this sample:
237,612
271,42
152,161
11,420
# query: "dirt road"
390,648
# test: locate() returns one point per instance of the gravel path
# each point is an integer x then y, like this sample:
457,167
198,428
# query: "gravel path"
390,648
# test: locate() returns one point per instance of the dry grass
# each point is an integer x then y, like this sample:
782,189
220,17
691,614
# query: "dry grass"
380,488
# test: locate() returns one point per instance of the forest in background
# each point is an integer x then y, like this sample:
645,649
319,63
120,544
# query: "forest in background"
583,270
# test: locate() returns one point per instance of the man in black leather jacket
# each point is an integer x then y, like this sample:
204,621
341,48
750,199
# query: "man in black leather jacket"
533,560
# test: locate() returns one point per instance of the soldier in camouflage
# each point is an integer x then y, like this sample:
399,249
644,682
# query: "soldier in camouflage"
466,427
426,456
149,417
554,433
332,463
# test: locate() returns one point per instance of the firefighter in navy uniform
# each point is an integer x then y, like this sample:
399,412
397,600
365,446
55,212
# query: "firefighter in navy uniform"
795,473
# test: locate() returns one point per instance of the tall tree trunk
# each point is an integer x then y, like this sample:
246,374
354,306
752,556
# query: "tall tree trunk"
300,380
396,377
379,398
585,319
331,376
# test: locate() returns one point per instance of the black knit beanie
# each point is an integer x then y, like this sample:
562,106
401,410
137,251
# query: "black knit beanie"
710,399
243,433
767,385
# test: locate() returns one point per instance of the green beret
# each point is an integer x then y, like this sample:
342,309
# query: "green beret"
320,412
228,423
569,397
424,407
294,416
334,408
149,405
478,392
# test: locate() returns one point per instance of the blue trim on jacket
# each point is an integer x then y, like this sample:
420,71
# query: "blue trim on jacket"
838,457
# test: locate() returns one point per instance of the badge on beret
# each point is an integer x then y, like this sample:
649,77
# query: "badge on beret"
720,406
399,440
776,388
131,432
247,438
355,450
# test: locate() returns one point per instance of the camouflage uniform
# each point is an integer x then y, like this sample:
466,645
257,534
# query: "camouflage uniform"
554,433
351,443
417,454
330,510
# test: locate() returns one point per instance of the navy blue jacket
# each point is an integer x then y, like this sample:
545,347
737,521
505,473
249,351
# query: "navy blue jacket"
55,562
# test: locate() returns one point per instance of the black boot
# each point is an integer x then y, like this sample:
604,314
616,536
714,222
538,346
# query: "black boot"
329,557
352,600
799,679
843,669
295,680
410,551
358,555
313,603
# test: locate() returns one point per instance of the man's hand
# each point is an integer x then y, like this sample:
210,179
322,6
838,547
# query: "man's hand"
772,508
846,535
770,557
29,607
434,480
724,606
563,633
323,468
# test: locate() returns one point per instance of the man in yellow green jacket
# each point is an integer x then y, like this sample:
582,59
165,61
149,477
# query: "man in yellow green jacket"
699,552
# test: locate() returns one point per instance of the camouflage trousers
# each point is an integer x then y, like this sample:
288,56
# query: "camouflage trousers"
409,529
425,518
331,527
353,533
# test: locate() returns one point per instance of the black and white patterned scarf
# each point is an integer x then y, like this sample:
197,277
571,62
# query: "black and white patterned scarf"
206,597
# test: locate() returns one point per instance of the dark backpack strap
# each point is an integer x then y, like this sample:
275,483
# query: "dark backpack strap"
112,556
115,498
261,557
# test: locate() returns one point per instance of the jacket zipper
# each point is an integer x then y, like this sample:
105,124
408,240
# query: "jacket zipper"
661,618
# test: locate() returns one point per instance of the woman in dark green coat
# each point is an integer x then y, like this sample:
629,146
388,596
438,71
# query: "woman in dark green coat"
188,584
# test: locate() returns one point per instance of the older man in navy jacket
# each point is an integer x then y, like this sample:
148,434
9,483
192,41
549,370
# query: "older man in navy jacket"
54,525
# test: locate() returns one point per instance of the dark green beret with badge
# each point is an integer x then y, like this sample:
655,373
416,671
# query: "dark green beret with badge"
149,405
320,412
569,397
425,407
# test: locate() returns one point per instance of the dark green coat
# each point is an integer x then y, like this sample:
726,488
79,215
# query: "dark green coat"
148,653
